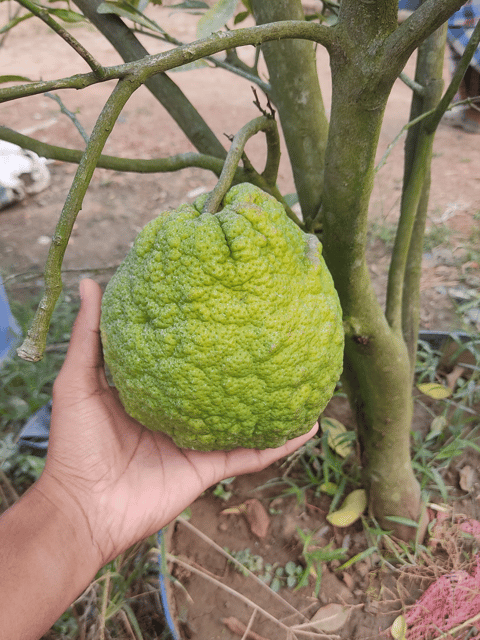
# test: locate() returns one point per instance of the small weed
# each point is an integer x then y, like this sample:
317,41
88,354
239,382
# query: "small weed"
27,386
221,490
438,234
272,574
383,231
120,602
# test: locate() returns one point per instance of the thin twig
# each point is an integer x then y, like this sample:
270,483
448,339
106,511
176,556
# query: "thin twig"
234,561
103,612
69,114
410,82
43,14
232,592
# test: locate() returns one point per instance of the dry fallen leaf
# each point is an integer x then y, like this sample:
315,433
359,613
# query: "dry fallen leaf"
467,478
330,618
256,515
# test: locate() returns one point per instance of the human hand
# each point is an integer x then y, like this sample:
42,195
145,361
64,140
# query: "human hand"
122,481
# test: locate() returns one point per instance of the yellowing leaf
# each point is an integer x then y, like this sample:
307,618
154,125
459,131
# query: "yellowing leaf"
336,436
352,508
399,628
434,390
436,428
330,488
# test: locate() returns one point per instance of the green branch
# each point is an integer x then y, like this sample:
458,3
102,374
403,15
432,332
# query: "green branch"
33,346
135,165
43,14
235,153
161,86
299,103
418,155
149,66
400,44
433,122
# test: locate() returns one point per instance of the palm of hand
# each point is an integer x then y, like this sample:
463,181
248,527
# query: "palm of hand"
128,481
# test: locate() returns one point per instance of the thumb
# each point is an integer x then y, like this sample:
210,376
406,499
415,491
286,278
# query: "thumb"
84,361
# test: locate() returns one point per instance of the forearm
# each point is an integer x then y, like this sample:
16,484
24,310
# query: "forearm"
46,560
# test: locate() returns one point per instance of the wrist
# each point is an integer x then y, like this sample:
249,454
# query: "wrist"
65,508
46,560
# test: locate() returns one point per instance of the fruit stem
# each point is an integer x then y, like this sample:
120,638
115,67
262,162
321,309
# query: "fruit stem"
236,153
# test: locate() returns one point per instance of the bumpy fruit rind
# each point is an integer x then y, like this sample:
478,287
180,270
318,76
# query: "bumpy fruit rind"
224,330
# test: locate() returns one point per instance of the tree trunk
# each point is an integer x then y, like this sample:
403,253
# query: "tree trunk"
299,103
376,365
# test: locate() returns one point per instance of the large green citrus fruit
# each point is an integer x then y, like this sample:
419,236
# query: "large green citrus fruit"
224,330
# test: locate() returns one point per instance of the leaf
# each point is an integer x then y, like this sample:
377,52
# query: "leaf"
67,15
215,18
399,628
330,488
191,66
352,508
338,436
124,9
437,426
240,17
255,514
291,199
330,618
190,5
467,478
14,79
434,390
406,521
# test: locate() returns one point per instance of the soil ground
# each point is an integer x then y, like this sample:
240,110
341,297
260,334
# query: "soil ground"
118,205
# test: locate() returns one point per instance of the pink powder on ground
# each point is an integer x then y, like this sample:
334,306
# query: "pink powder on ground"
448,602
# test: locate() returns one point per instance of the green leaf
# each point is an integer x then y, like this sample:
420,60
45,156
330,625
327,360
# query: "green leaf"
291,199
190,5
330,488
191,66
240,17
357,558
216,18
13,23
434,390
67,15
406,521
124,9
14,79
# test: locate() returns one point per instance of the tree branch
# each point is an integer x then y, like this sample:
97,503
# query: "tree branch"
429,16
33,346
432,123
299,103
152,65
418,154
161,86
43,14
156,165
